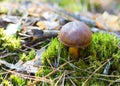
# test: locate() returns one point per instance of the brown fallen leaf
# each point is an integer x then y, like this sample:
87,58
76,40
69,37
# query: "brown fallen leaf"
51,25
108,22
41,25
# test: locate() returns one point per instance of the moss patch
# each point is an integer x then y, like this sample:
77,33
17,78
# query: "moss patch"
10,43
53,52
102,48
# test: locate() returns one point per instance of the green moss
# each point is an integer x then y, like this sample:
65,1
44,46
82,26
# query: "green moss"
9,42
31,54
26,57
50,56
23,57
5,83
43,71
102,47
17,81
115,62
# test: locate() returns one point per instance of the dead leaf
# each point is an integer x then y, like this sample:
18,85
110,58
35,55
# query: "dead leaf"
21,66
108,22
50,25
41,25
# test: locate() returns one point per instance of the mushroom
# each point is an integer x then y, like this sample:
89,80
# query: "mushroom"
75,35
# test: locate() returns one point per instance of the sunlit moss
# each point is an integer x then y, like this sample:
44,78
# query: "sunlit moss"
43,71
17,81
9,42
5,83
25,57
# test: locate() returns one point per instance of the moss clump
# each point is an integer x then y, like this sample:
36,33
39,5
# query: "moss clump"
17,81
103,46
115,62
43,71
24,57
5,83
50,56
9,42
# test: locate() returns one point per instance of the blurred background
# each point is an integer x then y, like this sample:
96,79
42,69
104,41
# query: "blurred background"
112,6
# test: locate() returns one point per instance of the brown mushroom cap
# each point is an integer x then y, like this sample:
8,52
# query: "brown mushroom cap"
75,34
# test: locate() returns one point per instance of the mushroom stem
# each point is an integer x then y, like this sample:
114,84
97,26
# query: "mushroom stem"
74,52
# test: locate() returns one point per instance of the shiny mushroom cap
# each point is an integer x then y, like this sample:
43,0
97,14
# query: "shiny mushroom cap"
75,34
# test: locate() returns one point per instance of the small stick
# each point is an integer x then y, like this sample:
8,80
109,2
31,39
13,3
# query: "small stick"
59,79
63,81
8,54
72,81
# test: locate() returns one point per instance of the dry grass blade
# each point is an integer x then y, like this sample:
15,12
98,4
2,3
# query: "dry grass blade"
73,84
63,81
8,54
59,79
111,84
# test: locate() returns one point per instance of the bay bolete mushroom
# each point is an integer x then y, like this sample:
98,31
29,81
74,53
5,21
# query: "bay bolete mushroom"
75,35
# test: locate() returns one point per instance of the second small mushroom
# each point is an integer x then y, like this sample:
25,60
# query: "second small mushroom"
75,35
